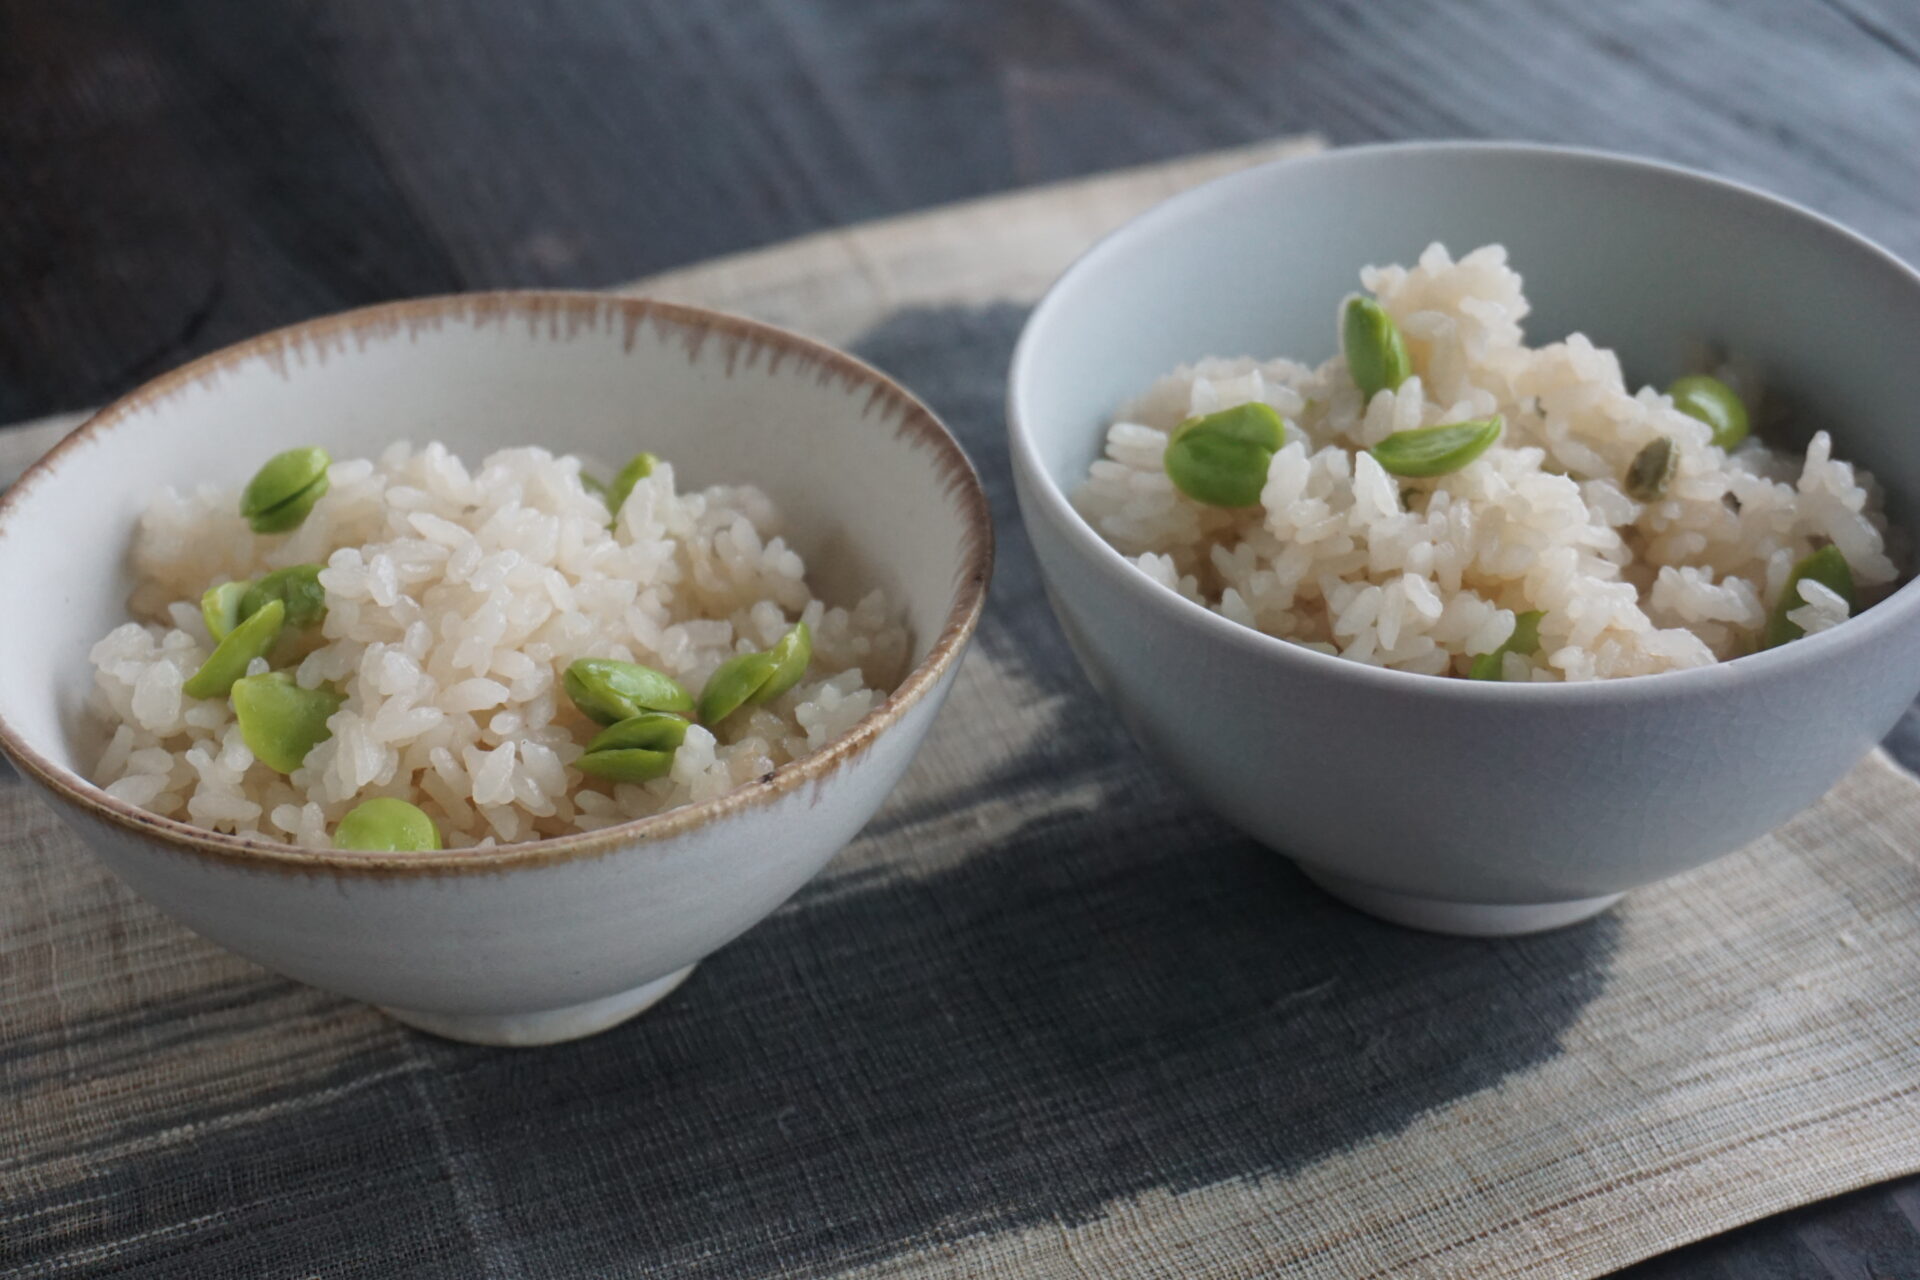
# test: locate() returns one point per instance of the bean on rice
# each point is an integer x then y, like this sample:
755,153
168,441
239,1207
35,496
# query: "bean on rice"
456,599
1424,575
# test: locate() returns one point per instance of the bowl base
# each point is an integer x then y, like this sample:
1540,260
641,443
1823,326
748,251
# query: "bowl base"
1465,919
545,1026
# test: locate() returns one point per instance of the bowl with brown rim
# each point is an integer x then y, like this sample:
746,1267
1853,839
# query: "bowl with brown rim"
544,940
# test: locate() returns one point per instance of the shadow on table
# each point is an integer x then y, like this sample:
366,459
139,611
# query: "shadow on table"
1092,1010
1102,1005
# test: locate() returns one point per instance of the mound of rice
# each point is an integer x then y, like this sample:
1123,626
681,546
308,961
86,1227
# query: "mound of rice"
1422,575
455,601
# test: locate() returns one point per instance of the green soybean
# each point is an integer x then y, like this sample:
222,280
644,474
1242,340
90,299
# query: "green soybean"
386,825
1525,640
1376,353
1826,567
608,690
1651,470
1714,403
279,720
638,749
220,608
650,730
733,685
1436,451
791,654
253,638
750,678
297,586
1221,458
283,492
627,766
638,468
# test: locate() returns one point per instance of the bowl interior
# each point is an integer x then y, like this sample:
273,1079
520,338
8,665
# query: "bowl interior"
873,491
1646,259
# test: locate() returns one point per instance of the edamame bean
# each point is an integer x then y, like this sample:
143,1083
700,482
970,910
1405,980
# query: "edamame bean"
1376,353
1436,451
282,493
297,586
1651,470
1525,640
750,678
632,765
638,468
253,638
1221,458
386,825
1714,403
733,684
638,749
279,720
791,654
608,691
1828,568
220,608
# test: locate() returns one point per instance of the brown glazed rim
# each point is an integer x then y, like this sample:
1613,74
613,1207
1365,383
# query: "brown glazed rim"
548,311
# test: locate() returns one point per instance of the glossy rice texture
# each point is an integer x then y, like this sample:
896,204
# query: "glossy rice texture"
456,598
1425,574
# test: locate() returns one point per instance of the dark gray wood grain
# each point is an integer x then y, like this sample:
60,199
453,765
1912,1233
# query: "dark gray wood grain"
176,174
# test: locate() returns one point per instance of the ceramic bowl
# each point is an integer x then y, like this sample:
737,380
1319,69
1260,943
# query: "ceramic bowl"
1458,805
546,940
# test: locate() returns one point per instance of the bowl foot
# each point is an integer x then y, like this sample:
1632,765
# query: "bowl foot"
1467,919
545,1026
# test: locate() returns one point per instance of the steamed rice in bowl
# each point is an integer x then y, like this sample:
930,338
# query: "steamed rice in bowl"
1428,574
455,599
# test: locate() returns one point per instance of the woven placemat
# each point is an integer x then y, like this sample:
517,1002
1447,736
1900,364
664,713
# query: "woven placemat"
1045,1017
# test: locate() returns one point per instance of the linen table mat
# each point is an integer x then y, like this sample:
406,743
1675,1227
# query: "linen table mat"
1044,1017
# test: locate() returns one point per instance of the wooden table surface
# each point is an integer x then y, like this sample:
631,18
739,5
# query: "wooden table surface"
174,176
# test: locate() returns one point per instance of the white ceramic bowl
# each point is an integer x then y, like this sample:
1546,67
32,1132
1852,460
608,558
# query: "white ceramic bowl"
1459,805
554,939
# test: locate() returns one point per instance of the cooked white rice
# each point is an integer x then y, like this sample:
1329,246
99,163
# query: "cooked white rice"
1331,558
455,601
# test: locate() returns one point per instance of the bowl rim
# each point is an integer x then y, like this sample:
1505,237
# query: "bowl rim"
867,389
1042,498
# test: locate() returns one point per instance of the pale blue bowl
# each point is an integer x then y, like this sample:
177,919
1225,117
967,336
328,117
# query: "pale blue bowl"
1456,805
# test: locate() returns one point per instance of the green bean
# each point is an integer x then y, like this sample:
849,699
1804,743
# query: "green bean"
1221,458
279,720
1828,567
1524,641
1652,469
220,608
386,825
750,678
297,586
1436,451
608,690
650,730
733,685
283,492
1714,403
1376,353
638,468
638,749
791,654
252,638
633,765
